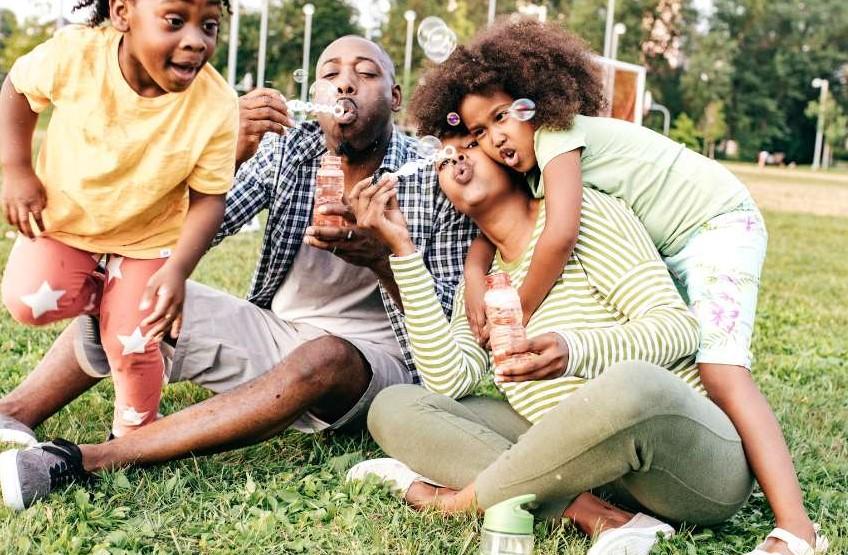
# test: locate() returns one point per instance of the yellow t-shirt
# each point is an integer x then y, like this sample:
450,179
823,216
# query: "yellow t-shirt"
117,166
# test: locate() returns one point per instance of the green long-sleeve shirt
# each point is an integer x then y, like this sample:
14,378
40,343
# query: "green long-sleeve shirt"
614,302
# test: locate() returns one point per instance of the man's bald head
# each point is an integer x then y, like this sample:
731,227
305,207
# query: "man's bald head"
379,53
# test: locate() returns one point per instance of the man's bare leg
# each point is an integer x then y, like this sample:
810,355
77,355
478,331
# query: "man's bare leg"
326,375
55,382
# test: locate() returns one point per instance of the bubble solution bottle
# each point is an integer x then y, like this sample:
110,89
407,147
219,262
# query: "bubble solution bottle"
505,316
329,189
507,528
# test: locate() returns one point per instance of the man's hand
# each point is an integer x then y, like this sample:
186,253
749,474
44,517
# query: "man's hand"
550,357
167,288
23,194
350,243
377,211
260,111
475,308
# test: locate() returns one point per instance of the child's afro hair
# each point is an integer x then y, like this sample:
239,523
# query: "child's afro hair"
525,59
100,9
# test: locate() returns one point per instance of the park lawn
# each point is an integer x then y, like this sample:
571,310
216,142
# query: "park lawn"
287,495
800,176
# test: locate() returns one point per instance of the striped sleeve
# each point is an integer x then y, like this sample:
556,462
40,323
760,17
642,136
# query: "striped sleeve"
622,263
448,359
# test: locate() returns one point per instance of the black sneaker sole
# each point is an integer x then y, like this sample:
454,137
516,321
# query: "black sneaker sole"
89,349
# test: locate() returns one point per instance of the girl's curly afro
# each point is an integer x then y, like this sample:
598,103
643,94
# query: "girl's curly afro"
525,59
100,9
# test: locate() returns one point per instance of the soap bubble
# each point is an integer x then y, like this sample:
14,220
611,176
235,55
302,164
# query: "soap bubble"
441,46
436,39
454,119
447,153
428,146
523,109
322,91
426,27
299,76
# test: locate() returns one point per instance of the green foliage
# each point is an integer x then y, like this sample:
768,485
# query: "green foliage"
835,122
331,20
778,47
712,126
18,39
684,130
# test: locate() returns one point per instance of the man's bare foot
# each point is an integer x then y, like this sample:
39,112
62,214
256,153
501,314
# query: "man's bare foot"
422,495
594,515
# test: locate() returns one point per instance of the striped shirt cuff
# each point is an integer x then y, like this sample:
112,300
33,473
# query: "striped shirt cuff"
407,266
576,352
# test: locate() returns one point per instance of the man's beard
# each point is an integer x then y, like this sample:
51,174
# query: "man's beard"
346,149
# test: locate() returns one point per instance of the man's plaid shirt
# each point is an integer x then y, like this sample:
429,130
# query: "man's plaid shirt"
280,177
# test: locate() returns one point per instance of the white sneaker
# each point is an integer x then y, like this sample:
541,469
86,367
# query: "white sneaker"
637,537
796,545
396,474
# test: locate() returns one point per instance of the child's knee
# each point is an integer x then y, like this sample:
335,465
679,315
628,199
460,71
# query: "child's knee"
31,308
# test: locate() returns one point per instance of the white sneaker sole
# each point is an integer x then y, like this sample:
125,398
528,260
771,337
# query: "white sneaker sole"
10,483
634,542
18,437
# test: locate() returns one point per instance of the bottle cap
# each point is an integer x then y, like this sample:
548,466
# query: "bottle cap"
507,517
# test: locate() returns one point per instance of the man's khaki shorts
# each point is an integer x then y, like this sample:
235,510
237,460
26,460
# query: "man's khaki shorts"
226,341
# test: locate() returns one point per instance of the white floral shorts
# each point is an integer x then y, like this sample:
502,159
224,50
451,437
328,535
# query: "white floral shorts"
718,274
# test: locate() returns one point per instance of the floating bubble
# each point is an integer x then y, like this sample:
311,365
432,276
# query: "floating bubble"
323,91
523,109
299,76
447,153
428,146
426,27
441,46
454,119
436,39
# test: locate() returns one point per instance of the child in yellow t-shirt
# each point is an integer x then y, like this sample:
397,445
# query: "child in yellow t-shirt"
133,172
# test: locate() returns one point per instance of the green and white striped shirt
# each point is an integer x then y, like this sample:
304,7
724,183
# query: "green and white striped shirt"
614,302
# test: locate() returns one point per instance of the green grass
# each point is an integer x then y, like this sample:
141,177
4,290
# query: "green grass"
287,495
799,176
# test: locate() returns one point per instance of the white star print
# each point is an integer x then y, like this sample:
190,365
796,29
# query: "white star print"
113,268
43,300
133,343
132,417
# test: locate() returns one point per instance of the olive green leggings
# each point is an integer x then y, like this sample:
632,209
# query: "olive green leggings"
637,434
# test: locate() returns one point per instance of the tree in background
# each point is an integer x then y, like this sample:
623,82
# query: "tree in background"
712,127
331,20
782,46
684,131
18,39
835,126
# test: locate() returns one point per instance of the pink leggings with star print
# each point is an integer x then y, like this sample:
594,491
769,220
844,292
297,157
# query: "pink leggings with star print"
47,281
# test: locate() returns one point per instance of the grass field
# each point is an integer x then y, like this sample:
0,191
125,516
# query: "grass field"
287,495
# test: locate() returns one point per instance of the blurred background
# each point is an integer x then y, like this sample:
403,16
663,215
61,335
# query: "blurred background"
736,79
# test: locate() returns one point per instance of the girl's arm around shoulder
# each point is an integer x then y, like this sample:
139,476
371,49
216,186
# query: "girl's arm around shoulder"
563,202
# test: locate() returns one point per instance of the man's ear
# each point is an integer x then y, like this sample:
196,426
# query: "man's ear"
397,98
119,14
